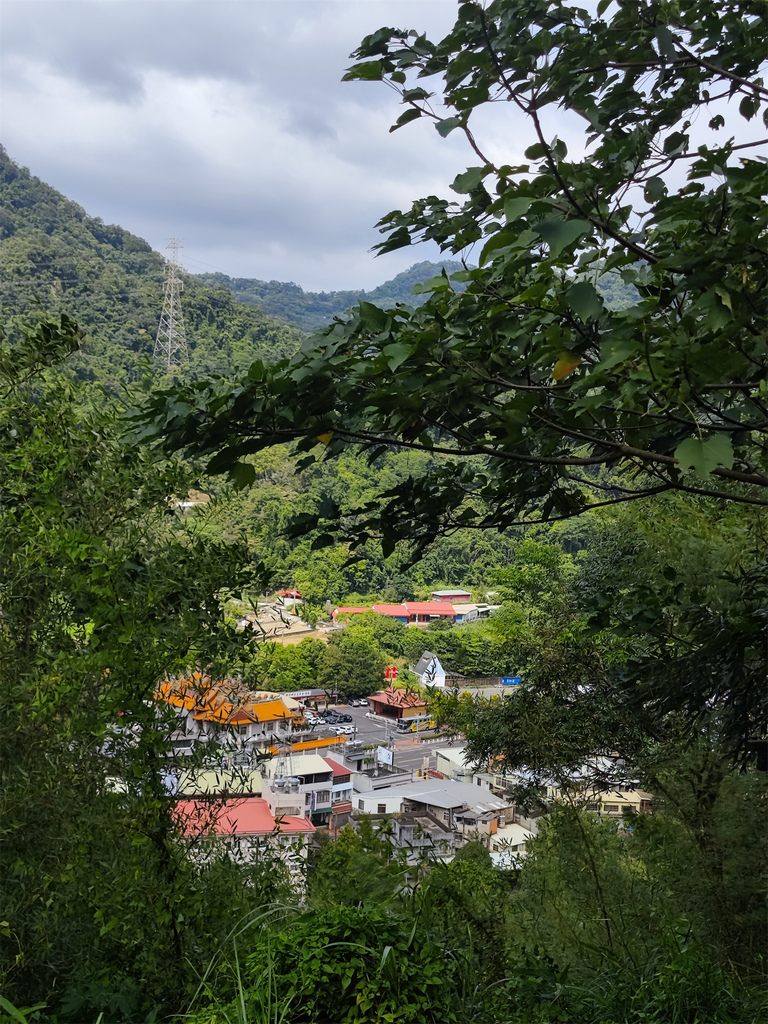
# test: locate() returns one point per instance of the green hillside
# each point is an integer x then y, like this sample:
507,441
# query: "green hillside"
311,310
56,258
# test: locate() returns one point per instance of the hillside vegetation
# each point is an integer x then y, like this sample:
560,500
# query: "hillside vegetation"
55,258
313,310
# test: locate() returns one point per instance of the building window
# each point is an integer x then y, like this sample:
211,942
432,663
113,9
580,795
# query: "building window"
381,808
360,805
611,808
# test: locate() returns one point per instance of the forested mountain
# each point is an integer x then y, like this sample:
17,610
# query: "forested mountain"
311,310
56,258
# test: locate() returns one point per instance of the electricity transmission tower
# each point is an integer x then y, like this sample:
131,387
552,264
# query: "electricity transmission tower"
171,341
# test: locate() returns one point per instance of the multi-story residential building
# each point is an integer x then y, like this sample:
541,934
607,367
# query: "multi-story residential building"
443,809
299,785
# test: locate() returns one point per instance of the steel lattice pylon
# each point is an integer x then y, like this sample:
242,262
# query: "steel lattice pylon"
171,341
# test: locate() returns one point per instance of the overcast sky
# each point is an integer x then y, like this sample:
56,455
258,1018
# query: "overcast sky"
225,123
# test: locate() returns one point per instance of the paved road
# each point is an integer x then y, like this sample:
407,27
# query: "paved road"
369,730
415,758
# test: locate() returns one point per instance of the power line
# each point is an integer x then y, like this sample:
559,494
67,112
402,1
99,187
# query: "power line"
171,341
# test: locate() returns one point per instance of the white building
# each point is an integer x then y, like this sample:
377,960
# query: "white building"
459,805
300,785
429,670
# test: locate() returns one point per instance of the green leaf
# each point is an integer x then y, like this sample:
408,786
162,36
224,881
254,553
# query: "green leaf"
416,94
407,116
559,148
446,126
655,188
369,71
434,284
675,143
242,475
397,354
666,42
499,240
584,300
469,179
11,1010
748,107
561,233
535,152
371,317
516,206
704,456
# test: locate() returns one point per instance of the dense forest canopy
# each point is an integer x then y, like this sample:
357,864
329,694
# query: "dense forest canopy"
312,310
57,258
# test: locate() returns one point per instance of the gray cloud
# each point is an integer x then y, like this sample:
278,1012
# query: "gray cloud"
224,123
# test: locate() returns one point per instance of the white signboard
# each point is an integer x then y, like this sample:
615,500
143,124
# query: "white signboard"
384,756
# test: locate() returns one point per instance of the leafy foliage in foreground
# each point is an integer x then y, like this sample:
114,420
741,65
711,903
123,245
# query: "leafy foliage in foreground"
600,924
524,382
104,590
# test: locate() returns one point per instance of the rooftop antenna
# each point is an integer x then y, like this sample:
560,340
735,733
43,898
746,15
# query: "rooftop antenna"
171,341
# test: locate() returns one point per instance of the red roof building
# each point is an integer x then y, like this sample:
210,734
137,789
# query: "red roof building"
350,610
249,816
247,828
426,611
409,612
340,773
456,594
392,703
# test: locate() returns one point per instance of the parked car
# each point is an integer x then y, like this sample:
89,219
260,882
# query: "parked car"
344,730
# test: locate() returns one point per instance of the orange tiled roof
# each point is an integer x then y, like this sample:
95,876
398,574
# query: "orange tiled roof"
330,741
227,702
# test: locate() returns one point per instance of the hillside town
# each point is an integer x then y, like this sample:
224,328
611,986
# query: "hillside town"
290,766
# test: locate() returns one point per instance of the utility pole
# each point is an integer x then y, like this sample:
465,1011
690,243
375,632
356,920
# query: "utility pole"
171,341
